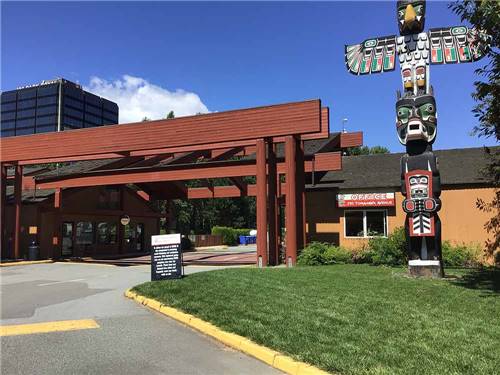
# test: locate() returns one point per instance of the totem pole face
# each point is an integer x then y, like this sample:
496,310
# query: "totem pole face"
411,16
416,119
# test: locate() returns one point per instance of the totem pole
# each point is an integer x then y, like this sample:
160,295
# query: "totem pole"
416,119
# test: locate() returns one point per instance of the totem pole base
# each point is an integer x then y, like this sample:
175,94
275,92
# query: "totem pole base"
425,268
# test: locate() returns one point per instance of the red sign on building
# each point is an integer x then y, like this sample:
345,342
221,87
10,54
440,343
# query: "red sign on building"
366,200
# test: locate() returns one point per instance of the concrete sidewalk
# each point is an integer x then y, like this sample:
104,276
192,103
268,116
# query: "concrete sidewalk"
129,340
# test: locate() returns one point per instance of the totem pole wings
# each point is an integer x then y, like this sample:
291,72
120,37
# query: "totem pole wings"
449,45
372,56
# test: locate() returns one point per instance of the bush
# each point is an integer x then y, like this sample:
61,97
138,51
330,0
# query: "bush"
318,253
461,255
389,250
230,236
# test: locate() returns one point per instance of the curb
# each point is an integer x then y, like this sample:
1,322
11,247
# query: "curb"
262,353
25,263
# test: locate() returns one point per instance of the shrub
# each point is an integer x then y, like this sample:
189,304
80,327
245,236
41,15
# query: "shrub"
312,254
318,253
230,236
337,254
389,250
461,255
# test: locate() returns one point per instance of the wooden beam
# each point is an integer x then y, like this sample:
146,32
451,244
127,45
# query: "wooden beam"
3,206
261,204
332,161
240,125
18,190
272,204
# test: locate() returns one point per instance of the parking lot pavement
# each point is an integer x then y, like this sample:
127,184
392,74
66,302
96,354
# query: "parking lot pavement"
129,338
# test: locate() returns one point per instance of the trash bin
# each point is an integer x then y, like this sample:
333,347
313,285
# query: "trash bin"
33,252
243,240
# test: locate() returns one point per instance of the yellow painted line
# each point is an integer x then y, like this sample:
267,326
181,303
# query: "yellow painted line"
25,263
64,325
269,356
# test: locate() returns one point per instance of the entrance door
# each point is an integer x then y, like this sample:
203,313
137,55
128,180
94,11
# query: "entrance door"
67,239
133,236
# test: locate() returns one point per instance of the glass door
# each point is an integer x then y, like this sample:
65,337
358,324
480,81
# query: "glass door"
67,239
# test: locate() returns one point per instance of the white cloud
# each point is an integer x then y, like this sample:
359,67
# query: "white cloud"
137,98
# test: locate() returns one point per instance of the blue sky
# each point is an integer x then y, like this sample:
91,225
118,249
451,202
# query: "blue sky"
220,56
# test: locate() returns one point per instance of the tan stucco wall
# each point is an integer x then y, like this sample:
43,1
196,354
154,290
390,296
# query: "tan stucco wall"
461,221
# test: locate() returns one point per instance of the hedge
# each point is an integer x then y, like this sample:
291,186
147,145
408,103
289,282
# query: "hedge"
230,236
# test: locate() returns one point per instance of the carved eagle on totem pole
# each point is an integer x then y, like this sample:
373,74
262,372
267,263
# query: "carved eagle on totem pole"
415,49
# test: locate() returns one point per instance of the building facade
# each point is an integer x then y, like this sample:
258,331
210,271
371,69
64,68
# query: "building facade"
90,221
54,105
363,200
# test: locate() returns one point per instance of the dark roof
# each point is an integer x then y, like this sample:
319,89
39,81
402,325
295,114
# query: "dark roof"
311,147
29,196
457,166
77,167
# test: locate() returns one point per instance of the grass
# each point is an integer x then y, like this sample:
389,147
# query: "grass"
352,319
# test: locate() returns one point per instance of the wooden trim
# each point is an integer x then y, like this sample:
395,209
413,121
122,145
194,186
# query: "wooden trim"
239,125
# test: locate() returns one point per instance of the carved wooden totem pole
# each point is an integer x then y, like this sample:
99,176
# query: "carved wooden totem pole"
416,118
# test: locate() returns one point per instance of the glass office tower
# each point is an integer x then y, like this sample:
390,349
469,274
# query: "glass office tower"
54,105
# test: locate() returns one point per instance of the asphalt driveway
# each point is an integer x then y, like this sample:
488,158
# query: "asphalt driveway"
129,339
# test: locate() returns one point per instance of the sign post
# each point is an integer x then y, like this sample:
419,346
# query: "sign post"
166,257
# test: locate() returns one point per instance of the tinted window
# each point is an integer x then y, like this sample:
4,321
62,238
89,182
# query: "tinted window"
78,104
22,104
9,97
109,106
26,94
73,113
94,110
73,92
8,116
9,106
8,133
47,90
8,125
92,99
46,128
25,122
50,110
95,120
110,116
72,122
46,120
47,100
26,113
25,131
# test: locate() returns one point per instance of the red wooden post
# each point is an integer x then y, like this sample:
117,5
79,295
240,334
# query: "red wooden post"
272,203
18,177
301,192
56,239
291,200
261,204
3,203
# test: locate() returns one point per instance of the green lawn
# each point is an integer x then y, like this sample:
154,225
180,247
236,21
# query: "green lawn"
352,319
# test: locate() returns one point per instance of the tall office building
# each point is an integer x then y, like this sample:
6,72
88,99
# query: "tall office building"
54,105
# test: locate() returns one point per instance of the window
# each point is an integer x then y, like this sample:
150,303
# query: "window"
84,233
365,223
109,198
106,233
48,100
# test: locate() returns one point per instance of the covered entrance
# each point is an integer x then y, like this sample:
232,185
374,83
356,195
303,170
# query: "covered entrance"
160,156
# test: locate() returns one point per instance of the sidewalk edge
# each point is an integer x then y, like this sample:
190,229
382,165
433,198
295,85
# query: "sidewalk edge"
262,353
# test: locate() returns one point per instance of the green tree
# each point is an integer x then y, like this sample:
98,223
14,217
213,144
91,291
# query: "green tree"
170,115
485,16
365,150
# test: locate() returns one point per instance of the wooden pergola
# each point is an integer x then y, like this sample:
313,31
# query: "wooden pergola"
158,156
